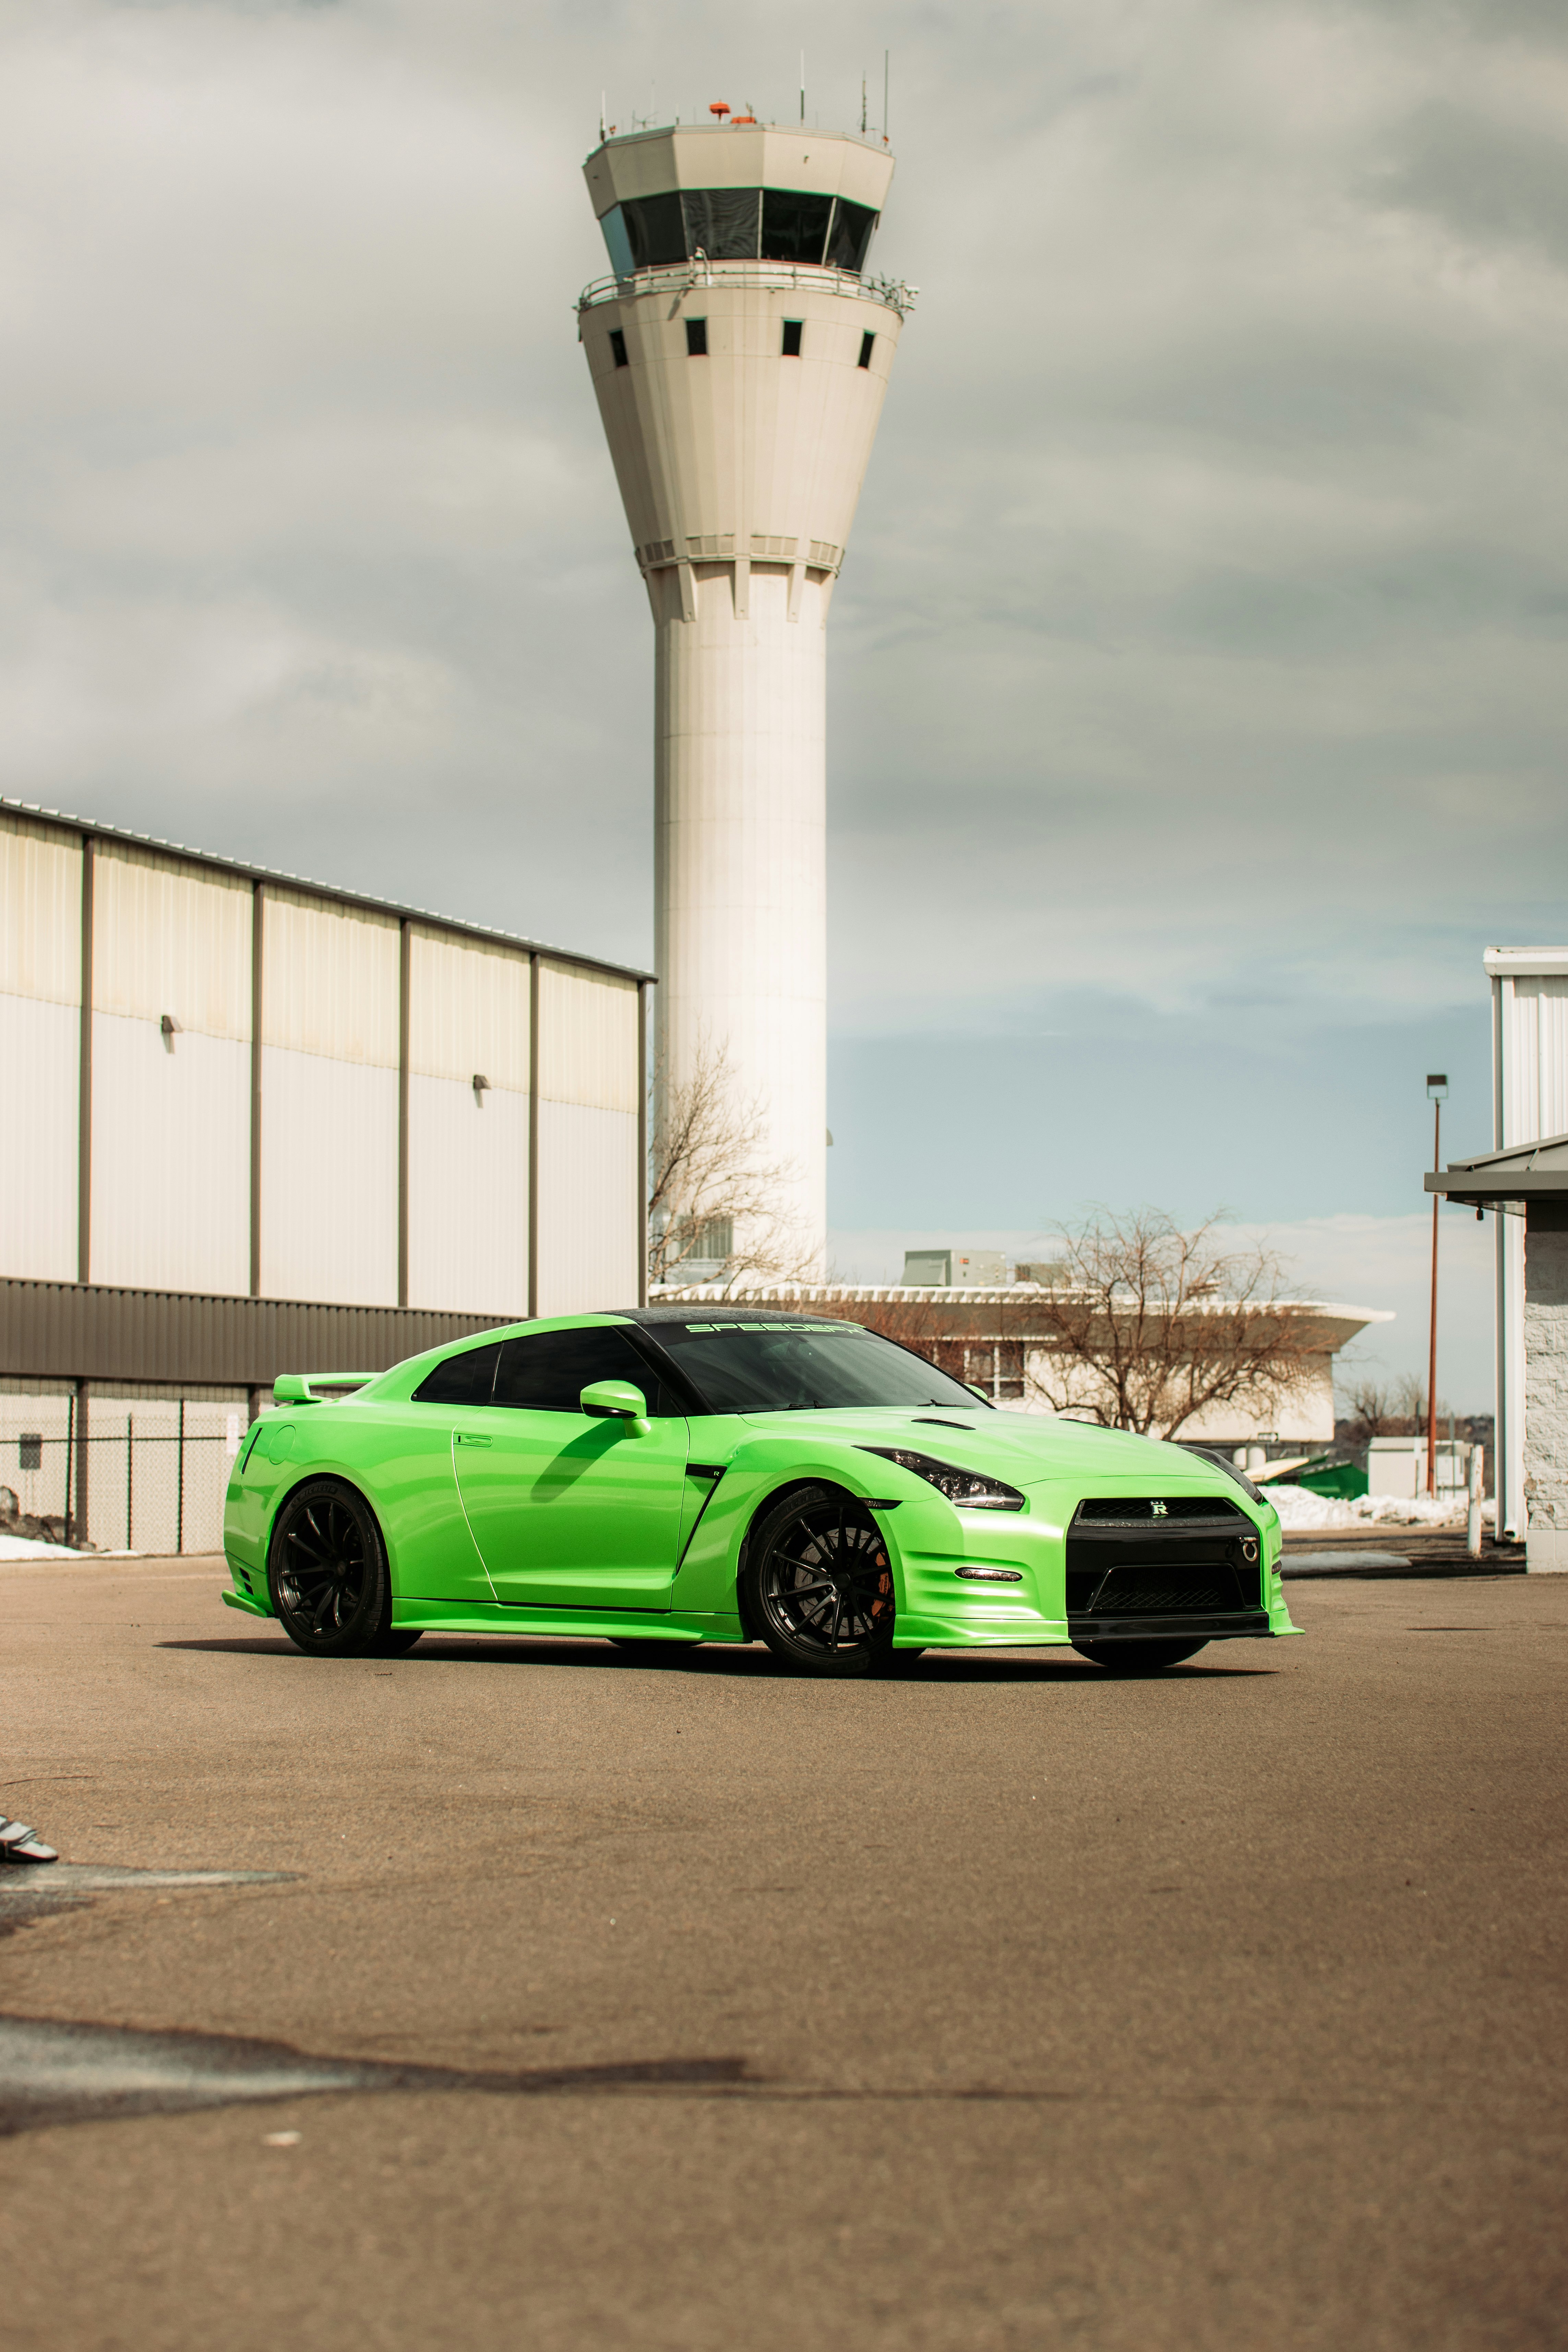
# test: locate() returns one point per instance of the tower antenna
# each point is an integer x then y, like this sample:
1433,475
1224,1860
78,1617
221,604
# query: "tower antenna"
601,118
803,85
886,56
862,106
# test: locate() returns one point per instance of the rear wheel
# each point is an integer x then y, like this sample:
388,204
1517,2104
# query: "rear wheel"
819,1584
1138,1657
326,1574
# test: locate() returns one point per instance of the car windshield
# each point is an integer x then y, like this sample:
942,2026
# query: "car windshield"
804,1368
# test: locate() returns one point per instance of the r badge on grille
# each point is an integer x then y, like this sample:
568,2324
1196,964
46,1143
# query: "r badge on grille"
1159,1511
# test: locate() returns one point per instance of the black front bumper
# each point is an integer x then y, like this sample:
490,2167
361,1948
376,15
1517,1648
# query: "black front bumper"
1234,1625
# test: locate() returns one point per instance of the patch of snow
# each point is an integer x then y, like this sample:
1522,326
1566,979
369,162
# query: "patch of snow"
25,1548
1297,1508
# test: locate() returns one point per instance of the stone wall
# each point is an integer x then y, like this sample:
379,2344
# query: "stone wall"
1546,1396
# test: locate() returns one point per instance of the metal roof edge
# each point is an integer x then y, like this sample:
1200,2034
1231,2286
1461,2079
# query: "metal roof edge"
1516,962
1510,1152
91,827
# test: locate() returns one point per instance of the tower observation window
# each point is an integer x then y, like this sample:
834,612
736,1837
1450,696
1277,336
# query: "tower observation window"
721,222
618,348
792,339
795,227
696,338
737,224
849,235
867,345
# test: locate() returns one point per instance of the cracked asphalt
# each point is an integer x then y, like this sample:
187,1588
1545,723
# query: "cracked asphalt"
665,2001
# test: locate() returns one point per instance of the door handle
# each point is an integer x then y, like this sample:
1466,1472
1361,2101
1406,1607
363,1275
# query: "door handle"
471,1437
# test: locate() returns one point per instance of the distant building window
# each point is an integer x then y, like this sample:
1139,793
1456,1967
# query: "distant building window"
997,1367
696,338
867,345
619,347
792,339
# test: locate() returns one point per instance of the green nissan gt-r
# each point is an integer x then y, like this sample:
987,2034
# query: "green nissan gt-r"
676,1474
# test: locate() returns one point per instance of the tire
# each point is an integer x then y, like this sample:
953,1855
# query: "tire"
326,1574
819,1585
1138,1657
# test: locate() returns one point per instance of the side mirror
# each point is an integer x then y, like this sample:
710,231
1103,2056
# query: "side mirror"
984,1394
616,1401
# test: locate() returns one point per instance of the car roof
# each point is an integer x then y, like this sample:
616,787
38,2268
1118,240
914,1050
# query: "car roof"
696,1310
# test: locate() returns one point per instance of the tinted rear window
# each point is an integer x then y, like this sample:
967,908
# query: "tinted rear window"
467,1379
546,1371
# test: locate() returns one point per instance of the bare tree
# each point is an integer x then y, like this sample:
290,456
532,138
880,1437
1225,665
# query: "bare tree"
1371,1408
910,1322
1151,1327
709,1181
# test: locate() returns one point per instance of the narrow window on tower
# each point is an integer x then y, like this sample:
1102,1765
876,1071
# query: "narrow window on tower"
619,347
696,338
867,345
792,339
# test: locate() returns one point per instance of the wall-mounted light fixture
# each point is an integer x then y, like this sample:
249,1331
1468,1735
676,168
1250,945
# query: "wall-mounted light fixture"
169,1029
481,1088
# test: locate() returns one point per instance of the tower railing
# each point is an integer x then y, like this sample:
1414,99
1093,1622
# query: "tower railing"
676,276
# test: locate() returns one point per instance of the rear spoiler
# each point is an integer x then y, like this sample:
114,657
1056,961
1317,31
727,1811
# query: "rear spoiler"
318,1387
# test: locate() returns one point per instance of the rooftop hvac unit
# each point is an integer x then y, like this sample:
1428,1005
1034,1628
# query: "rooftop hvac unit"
951,1269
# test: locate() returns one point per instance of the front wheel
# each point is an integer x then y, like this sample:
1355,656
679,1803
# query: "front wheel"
326,1574
819,1585
1138,1657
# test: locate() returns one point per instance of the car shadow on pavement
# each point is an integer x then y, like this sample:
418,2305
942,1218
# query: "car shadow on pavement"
587,1654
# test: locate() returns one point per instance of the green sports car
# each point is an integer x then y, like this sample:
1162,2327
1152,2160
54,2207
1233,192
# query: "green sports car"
674,1474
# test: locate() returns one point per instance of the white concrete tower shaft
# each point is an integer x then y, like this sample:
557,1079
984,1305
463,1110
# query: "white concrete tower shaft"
740,356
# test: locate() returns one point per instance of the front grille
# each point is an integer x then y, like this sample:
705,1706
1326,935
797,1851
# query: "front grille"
1134,1593
1157,1510
1198,1557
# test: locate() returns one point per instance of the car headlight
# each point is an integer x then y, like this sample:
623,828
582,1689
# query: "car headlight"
966,1488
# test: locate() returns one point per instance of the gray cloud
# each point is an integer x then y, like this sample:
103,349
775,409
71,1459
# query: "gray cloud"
1200,640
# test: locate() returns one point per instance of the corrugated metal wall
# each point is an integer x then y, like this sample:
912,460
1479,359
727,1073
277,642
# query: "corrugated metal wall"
1535,1067
329,1052
467,1148
588,1128
79,1330
1530,1083
379,1173
40,1036
170,1113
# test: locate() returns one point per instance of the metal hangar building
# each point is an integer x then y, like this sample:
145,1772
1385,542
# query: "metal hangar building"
259,1124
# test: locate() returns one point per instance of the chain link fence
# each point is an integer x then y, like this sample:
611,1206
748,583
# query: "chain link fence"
147,1476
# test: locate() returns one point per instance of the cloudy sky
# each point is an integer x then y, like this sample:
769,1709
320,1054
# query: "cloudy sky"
1196,707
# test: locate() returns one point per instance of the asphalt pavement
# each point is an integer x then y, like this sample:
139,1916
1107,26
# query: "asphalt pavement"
563,1996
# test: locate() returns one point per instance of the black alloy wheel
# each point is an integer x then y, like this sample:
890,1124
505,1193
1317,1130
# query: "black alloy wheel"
819,1584
326,1573
1138,1657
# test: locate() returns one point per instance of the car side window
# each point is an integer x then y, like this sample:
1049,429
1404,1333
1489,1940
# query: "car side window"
468,1379
547,1371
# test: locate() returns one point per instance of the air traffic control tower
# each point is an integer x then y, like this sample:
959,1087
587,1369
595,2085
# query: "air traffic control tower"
740,355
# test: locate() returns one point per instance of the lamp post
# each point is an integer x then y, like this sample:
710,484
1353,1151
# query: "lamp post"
1436,1095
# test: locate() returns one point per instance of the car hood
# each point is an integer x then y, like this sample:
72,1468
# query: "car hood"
1025,1449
